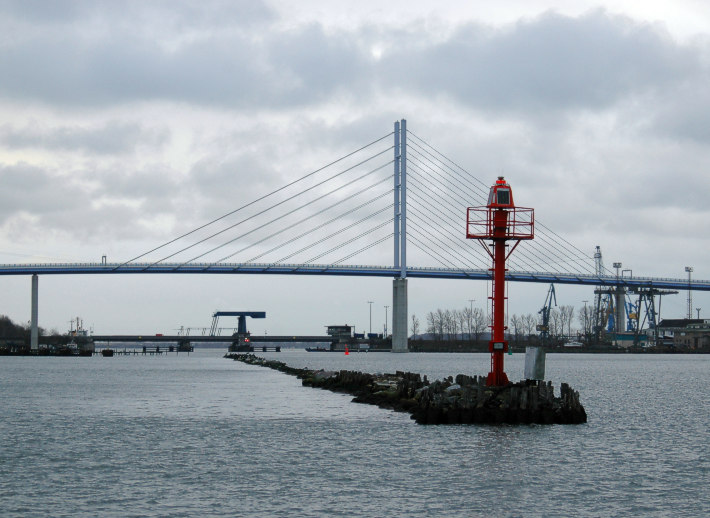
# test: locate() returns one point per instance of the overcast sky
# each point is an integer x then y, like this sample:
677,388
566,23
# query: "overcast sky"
126,123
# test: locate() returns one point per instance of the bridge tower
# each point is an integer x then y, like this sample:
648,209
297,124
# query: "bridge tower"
399,285
499,221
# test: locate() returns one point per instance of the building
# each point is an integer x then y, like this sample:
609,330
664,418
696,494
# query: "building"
695,335
669,327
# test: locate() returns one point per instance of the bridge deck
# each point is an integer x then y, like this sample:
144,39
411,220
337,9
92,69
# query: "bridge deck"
369,271
200,338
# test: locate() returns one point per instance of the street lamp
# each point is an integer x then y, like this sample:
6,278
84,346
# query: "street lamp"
586,325
370,303
689,269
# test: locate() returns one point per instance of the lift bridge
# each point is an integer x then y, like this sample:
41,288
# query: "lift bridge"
393,208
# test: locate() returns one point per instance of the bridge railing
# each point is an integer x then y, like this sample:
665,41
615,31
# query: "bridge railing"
355,270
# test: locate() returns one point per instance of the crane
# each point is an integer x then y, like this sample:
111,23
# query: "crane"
544,327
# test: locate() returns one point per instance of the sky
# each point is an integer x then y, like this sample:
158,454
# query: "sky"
125,124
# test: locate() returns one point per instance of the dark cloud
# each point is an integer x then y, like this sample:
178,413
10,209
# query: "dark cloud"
31,189
316,66
110,138
88,205
173,14
549,63
39,11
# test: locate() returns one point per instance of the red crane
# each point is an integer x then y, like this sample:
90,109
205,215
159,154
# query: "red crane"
499,221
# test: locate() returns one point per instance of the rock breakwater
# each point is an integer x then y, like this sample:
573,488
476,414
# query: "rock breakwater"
460,400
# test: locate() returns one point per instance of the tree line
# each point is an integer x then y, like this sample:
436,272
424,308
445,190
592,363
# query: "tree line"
9,330
471,323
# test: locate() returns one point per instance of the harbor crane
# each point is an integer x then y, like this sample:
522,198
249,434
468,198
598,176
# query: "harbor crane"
544,326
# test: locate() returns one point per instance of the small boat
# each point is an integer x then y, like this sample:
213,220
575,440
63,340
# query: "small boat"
107,352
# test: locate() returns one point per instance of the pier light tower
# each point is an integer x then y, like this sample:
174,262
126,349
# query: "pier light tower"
499,221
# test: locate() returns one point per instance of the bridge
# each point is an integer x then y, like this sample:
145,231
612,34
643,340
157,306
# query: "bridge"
397,201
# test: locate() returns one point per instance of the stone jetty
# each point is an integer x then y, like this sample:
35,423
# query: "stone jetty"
460,400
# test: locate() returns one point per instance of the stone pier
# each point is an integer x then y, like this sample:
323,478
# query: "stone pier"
460,400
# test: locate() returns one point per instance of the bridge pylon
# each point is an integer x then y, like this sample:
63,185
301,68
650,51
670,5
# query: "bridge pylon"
400,342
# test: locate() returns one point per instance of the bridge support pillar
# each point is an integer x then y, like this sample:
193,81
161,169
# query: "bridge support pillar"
620,307
399,316
34,328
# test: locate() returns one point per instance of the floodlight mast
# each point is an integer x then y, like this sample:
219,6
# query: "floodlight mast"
499,221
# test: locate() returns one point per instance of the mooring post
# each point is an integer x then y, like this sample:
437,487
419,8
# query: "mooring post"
34,328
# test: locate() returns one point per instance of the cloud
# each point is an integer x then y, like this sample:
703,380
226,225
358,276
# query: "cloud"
112,137
38,204
552,62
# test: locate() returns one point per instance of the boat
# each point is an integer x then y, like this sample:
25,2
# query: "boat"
107,352
81,343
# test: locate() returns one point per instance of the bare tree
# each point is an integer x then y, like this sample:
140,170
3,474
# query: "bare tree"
480,322
449,324
529,322
567,313
415,325
555,323
431,325
517,324
439,324
585,316
468,315
461,317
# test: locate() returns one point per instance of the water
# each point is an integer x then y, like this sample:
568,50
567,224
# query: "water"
203,436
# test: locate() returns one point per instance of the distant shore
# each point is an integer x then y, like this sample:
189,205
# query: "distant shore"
429,346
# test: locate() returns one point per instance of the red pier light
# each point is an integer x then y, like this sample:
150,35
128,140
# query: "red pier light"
499,221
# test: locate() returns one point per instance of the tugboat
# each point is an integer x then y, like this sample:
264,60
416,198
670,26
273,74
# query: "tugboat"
107,353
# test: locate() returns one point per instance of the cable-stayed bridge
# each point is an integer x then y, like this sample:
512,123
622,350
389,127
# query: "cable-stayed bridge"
396,207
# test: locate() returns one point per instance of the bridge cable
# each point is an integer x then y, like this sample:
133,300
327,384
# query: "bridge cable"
322,211
524,252
276,205
451,239
259,199
381,240
363,234
277,218
446,221
573,258
337,232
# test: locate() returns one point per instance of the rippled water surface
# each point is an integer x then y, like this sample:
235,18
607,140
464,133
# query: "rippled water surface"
200,435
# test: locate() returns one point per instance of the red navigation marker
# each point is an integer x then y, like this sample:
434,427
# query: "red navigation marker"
499,221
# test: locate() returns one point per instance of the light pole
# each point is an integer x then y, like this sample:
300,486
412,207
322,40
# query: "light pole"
386,307
370,303
586,333
698,310
689,269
